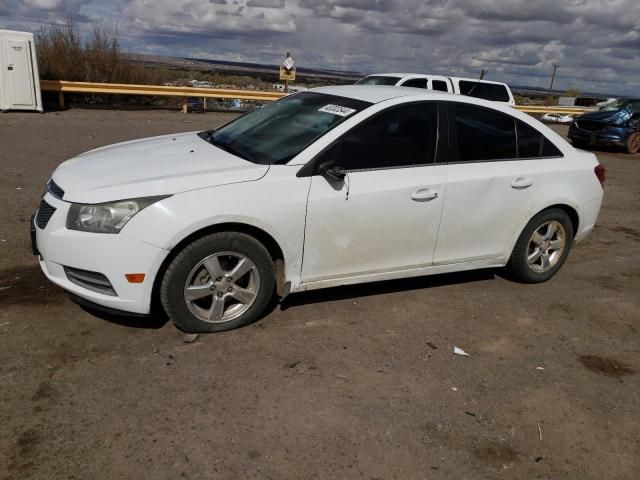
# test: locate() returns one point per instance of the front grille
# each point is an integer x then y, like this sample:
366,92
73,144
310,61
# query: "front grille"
590,125
54,189
44,214
94,281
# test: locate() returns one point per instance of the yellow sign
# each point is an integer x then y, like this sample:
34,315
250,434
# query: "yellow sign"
287,74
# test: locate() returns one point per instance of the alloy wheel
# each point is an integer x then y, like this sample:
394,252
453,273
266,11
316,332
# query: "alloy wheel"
221,287
546,246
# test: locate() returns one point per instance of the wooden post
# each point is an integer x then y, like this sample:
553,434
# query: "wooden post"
185,106
204,104
553,77
61,100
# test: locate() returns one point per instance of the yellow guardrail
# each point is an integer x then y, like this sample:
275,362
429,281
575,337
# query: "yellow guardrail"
63,87
563,110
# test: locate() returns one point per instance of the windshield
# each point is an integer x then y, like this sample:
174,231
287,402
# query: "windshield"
378,80
278,131
616,105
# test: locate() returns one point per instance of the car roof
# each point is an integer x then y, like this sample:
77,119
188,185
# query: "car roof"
377,93
476,80
399,75
403,75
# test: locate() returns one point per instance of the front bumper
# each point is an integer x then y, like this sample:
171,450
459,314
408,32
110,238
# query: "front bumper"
111,255
612,136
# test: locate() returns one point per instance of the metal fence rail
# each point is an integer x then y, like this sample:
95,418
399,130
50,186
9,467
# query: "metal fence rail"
63,87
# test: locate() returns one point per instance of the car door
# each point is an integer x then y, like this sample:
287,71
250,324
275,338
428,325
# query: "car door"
496,165
384,215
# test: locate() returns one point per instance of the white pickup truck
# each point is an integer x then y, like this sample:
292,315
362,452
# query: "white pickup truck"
495,91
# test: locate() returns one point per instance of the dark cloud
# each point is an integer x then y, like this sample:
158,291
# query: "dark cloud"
266,3
596,43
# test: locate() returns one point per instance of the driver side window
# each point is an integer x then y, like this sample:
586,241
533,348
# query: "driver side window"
401,136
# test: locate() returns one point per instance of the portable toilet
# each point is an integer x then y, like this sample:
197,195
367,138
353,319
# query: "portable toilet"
19,78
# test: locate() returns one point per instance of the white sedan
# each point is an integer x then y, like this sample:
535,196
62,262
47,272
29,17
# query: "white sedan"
329,187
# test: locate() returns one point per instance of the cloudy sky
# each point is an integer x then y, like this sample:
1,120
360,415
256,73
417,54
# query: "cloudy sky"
596,43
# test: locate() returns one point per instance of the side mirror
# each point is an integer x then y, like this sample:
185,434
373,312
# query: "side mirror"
331,170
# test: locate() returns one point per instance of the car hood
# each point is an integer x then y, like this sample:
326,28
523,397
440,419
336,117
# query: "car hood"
151,166
600,115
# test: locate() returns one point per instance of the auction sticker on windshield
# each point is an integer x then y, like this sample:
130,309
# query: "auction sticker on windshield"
337,110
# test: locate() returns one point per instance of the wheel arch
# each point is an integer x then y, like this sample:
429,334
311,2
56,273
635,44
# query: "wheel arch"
259,234
569,210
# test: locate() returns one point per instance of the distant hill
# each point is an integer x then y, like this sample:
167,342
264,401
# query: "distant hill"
248,68
244,68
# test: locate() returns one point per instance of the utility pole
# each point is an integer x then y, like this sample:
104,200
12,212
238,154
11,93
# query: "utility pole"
483,73
553,77
286,82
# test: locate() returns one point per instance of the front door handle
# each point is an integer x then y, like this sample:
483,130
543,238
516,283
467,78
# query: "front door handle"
521,183
424,195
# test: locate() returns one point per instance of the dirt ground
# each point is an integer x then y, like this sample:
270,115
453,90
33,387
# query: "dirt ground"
346,383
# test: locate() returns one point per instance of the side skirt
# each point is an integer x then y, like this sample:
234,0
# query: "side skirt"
414,272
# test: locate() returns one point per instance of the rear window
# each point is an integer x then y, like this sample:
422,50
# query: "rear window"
378,80
487,91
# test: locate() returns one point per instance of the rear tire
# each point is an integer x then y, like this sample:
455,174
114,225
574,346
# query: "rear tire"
542,247
633,143
219,282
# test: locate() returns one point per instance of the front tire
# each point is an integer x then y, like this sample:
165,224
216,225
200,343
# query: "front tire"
218,282
633,143
542,247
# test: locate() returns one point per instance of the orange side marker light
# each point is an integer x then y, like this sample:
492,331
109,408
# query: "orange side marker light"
134,277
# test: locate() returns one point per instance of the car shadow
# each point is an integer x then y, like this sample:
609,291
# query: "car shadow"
156,320
389,286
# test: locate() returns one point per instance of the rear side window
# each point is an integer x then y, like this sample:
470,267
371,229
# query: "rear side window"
484,134
416,83
439,85
529,141
533,144
487,91
398,137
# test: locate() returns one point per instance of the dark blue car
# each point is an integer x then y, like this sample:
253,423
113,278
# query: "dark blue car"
615,124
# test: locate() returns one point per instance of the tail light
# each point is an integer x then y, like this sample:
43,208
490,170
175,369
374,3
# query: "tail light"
601,173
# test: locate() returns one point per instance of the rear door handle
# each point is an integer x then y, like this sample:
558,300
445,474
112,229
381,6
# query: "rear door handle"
424,195
521,183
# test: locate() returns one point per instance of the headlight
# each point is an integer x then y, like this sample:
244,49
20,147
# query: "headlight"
107,217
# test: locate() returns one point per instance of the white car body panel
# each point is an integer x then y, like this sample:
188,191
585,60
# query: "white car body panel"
111,255
327,239
370,225
276,205
152,166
